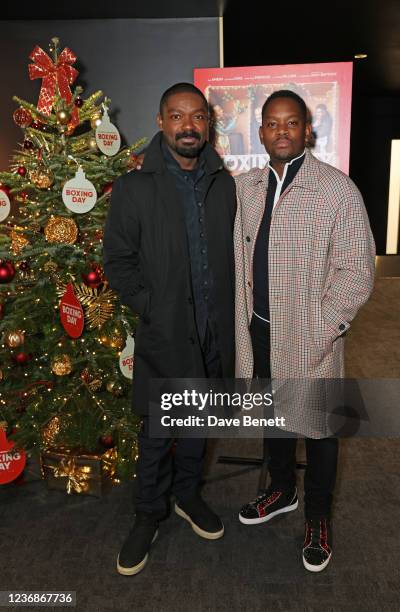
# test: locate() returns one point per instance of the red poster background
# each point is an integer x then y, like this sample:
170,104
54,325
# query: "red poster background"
237,95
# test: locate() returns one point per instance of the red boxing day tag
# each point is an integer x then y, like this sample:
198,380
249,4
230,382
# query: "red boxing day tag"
12,461
71,313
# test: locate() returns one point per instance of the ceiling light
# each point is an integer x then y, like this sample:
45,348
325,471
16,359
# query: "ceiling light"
360,55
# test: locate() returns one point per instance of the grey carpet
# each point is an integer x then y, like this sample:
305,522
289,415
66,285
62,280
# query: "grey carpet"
52,541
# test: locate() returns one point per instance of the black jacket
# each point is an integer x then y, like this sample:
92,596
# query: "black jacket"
146,261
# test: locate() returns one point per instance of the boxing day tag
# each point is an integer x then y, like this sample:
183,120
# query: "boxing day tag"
78,194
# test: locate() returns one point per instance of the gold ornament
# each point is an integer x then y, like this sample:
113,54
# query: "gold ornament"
61,230
18,241
51,430
93,384
35,227
14,338
95,119
61,365
41,177
92,143
114,387
1,378
63,117
50,267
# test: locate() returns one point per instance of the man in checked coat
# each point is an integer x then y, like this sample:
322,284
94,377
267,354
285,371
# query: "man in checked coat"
304,266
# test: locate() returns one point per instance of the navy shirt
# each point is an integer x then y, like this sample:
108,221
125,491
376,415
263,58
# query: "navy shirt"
260,259
192,190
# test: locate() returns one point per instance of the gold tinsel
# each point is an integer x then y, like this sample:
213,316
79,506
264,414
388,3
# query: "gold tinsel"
51,430
61,230
18,241
41,177
97,302
14,338
62,365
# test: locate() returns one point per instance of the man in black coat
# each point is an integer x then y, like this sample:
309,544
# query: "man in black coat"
168,252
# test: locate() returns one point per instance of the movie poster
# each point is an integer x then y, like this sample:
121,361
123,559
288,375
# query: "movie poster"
236,96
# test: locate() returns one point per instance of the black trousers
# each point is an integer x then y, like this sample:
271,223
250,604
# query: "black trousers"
322,454
160,472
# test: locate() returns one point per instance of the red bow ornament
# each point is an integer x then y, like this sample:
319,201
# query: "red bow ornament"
61,74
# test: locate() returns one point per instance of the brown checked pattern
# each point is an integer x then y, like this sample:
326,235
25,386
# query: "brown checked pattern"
321,271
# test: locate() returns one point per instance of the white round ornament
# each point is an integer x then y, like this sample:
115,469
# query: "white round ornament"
126,358
4,205
107,136
78,194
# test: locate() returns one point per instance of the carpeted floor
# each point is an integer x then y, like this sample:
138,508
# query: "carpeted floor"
51,541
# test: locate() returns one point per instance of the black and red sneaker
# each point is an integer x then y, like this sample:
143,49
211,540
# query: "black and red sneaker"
269,504
317,547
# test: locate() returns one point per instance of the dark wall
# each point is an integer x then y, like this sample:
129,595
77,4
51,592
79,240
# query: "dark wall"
131,60
375,122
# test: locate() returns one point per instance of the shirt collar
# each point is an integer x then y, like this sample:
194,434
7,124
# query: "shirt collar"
286,167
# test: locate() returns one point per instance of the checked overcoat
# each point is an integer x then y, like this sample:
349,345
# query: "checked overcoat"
320,270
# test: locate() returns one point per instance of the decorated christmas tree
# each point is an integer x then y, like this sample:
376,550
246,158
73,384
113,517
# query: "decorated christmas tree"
66,342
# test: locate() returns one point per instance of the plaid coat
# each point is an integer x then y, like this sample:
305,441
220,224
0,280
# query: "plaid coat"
320,269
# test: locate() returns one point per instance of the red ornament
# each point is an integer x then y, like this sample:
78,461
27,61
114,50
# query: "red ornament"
92,280
95,277
22,196
21,170
107,441
28,145
107,188
71,313
12,460
7,272
22,117
5,188
78,102
22,358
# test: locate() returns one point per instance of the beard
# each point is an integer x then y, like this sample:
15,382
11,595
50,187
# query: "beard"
189,151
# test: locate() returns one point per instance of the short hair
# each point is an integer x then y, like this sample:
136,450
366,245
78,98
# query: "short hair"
181,88
286,93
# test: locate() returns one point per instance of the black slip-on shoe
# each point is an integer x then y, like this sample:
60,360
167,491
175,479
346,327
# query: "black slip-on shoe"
135,550
203,520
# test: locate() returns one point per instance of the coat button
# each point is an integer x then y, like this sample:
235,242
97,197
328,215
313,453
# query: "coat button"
190,300
342,327
248,238
191,340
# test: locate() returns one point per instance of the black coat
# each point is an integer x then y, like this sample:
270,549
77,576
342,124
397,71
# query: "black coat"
146,260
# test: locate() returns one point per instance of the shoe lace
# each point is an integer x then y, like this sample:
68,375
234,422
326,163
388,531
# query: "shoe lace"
318,531
265,496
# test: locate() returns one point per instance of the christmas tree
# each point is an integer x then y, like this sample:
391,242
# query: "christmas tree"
61,381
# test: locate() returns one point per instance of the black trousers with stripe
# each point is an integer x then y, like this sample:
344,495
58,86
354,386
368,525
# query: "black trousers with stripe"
322,454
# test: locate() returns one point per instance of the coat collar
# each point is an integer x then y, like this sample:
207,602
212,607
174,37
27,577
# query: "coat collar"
154,159
307,177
